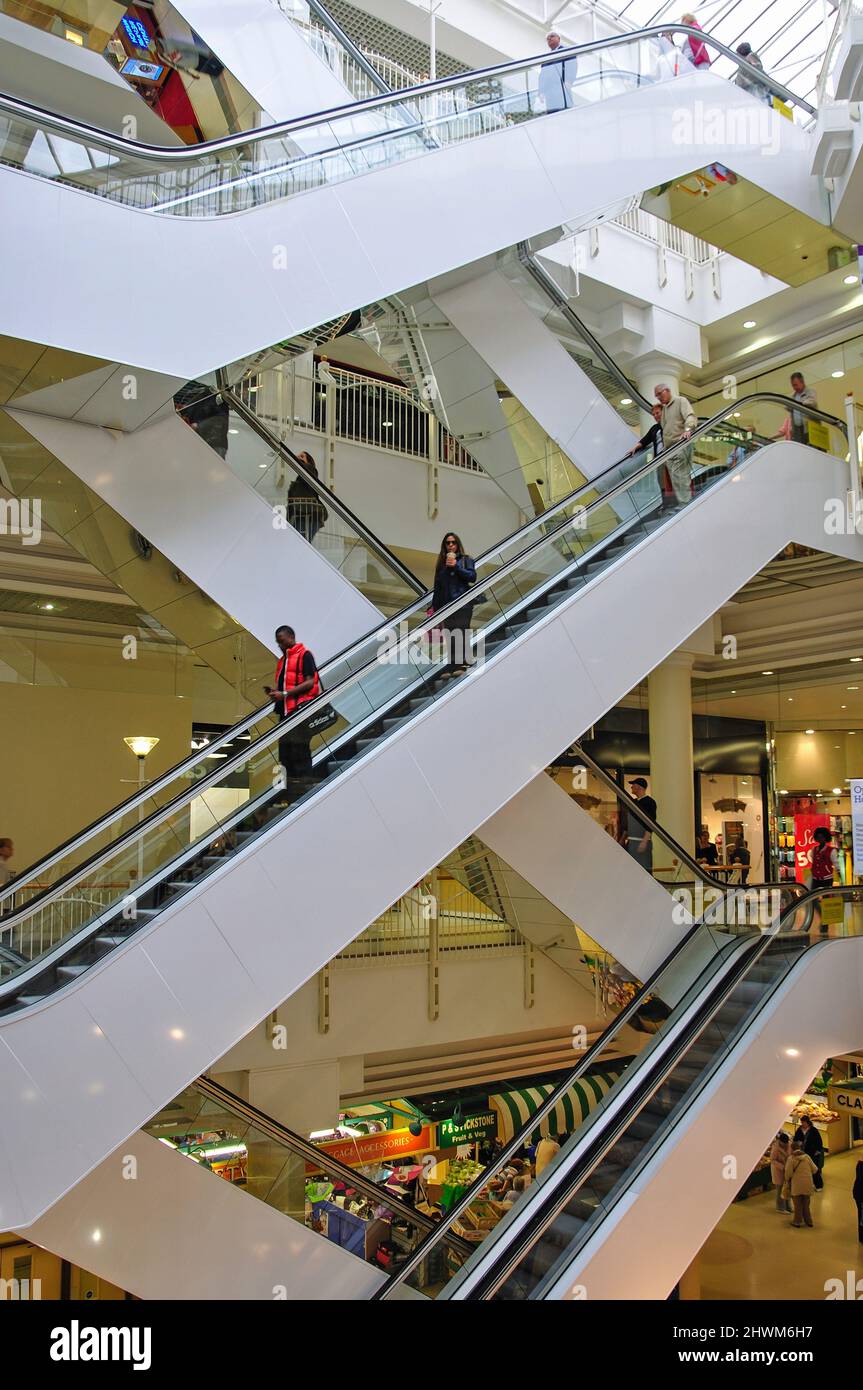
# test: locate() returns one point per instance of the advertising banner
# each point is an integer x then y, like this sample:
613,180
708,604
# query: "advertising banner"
804,825
857,824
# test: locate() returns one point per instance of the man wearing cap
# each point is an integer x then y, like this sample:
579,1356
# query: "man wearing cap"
555,79
639,841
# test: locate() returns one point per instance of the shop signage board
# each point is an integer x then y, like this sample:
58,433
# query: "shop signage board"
470,1129
388,1147
857,824
804,826
847,1100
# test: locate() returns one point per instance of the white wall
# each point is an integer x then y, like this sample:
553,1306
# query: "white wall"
490,313
176,490
267,54
175,1231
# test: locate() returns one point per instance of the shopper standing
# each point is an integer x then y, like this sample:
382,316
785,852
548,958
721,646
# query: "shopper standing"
813,1146
297,683
639,840
779,1154
824,861
707,854
678,422
547,1149
455,572
800,1173
556,79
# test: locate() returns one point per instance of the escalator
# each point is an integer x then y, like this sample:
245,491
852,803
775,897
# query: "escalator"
286,219
260,1208
107,1018
631,1197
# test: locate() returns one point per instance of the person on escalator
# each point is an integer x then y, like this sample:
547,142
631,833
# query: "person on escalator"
695,49
639,840
455,573
748,82
678,422
306,512
206,413
297,684
653,438
7,851
556,79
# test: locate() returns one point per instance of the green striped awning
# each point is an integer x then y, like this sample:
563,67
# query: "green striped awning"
514,1108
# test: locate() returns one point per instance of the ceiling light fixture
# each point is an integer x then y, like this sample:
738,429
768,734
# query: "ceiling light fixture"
750,323
767,673
627,400
837,375
855,658
850,280
837,791
809,731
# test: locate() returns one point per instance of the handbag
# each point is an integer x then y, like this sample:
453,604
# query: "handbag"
322,719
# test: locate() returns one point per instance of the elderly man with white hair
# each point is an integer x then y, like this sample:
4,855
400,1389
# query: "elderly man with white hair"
678,422
556,79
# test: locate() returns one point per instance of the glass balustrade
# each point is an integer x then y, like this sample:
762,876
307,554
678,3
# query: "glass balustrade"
235,175
162,843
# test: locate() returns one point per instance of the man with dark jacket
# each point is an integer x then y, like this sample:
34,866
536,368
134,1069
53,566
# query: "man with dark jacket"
206,413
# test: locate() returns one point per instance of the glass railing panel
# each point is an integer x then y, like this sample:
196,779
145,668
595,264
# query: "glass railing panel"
309,510
400,668
326,152
264,1164
674,1096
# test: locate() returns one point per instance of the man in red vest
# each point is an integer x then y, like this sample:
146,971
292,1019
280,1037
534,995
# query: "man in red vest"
297,683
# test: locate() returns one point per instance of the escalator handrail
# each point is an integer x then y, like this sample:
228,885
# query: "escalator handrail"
632,808
332,501
590,1057
310,1152
279,729
612,1124
553,292
169,154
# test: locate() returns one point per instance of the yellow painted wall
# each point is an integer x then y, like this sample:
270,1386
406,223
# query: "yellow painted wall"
64,759
46,1267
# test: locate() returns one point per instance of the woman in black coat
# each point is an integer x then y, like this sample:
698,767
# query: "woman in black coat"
813,1145
455,573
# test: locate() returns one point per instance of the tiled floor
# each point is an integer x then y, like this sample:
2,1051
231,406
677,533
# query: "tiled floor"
755,1254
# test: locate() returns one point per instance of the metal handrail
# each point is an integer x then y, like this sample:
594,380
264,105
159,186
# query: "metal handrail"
593,1054
552,291
348,44
610,1126
401,645
331,500
244,1110
67,125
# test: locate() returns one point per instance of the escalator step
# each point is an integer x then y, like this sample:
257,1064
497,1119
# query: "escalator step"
24,999
71,972
111,941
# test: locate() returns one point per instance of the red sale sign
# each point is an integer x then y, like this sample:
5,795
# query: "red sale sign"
804,842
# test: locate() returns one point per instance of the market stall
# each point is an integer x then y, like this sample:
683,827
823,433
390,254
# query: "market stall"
514,1108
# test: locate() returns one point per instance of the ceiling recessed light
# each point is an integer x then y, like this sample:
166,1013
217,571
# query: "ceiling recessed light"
737,414
233,431
850,280
750,323
767,673
809,731
47,607
843,706
837,791
627,400
791,699
792,1052
734,692
783,791
855,658
837,375
852,687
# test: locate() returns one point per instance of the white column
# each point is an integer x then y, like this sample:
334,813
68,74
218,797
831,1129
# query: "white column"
669,694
